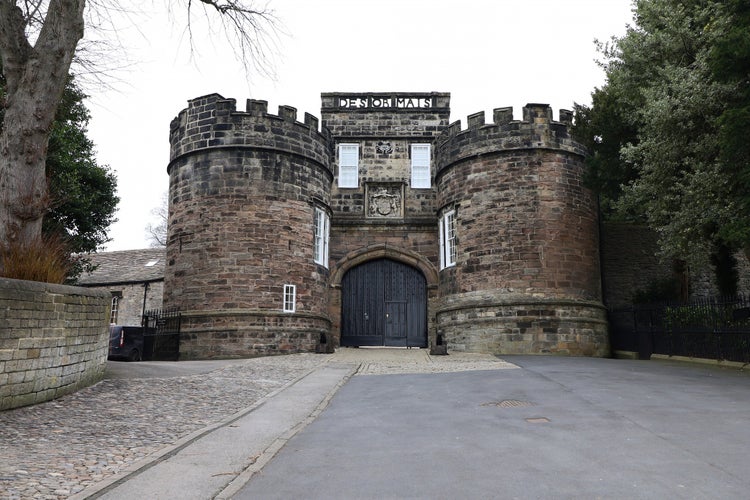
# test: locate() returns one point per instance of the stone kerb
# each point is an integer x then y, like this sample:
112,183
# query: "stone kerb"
212,122
537,131
53,340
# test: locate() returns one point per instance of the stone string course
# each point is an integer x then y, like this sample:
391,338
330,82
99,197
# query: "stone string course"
53,340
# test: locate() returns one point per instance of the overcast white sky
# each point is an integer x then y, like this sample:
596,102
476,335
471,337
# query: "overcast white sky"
486,53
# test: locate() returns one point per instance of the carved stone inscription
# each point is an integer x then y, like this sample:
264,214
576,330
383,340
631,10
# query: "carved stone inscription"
385,102
385,200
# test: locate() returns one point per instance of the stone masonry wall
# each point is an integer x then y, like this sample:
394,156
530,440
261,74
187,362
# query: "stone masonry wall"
384,135
53,340
631,264
130,305
527,277
244,187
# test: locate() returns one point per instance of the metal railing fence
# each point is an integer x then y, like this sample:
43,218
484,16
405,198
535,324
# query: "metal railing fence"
711,328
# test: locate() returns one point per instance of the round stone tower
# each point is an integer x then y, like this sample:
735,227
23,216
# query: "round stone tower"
249,197
523,275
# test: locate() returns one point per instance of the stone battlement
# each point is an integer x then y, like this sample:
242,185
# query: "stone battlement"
212,121
380,224
536,131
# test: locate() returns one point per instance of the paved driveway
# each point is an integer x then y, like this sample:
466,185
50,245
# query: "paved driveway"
557,428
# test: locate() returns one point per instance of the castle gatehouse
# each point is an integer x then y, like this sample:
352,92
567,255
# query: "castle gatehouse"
381,225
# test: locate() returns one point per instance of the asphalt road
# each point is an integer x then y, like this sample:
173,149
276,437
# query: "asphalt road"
557,428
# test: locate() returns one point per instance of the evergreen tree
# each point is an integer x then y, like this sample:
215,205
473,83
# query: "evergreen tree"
668,129
83,193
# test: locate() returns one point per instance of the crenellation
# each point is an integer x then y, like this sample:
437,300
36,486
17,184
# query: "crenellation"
288,113
311,121
502,116
536,131
246,189
566,117
476,120
537,113
257,107
224,108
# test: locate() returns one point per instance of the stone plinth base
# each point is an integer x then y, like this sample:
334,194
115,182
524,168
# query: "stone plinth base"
525,326
246,334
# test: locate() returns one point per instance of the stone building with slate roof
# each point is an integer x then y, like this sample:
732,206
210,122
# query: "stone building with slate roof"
134,278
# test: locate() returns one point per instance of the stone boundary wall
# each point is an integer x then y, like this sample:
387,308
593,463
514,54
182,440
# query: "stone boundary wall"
630,263
53,340
247,334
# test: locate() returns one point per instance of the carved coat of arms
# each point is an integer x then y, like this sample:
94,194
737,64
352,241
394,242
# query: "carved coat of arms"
384,203
384,148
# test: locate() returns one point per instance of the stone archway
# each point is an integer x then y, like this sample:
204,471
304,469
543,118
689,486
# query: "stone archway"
372,253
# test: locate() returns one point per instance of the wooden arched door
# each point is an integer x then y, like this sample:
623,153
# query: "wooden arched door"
384,303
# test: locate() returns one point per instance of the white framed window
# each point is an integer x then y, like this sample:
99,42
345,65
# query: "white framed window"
322,230
290,298
115,308
447,230
420,166
348,165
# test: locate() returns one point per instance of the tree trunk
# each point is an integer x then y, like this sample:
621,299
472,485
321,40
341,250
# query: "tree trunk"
23,185
35,78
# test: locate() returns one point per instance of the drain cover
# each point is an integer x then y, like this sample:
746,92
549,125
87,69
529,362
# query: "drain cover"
509,403
537,420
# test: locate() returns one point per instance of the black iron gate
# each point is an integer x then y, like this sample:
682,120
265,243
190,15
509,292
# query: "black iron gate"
161,337
384,303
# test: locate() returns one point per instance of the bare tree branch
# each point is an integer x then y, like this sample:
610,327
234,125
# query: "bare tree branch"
39,39
157,233
252,31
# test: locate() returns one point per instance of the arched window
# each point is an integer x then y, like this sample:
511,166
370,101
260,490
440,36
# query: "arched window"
116,296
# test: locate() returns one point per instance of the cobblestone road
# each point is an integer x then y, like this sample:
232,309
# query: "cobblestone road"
56,449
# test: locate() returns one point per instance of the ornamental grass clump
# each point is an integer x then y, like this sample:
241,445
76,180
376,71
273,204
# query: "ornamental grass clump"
45,259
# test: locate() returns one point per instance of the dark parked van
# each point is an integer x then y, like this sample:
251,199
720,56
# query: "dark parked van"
126,342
